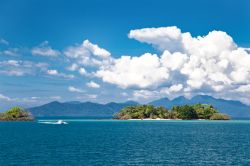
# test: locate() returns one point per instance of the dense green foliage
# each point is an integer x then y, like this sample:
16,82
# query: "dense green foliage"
219,116
204,111
141,112
197,111
15,113
184,112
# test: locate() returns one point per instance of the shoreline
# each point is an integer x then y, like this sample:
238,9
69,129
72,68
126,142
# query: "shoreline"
163,119
17,120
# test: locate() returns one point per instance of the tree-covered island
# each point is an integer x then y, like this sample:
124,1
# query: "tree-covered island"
186,112
15,114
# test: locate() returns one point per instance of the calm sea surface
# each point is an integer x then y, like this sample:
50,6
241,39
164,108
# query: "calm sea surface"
111,142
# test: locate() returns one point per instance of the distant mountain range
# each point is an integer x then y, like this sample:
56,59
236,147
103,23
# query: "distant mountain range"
230,107
76,108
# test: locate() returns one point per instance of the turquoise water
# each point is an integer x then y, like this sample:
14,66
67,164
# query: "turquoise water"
110,142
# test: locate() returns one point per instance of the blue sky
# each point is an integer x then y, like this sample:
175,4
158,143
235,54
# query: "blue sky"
35,37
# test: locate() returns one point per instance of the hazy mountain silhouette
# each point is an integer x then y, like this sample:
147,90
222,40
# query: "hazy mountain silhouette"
76,108
230,107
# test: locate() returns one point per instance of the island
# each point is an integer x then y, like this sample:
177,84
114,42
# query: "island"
16,114
184,112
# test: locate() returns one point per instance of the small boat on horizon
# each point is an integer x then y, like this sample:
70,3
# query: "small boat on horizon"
61,122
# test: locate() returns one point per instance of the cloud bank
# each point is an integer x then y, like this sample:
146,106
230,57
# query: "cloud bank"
211,64
186,65
21,68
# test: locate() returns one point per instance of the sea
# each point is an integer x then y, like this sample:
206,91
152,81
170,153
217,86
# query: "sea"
107,142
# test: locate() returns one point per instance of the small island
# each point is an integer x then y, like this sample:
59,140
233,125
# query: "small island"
15,114
184,112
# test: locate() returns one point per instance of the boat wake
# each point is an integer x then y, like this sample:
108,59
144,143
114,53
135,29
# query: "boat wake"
57,122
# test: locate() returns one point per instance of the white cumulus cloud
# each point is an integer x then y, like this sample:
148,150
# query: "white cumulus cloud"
92,84
10,52
73,67
206,64
82,71
163,38
95,49
172,89
44,50
4,98
74,89
144,71
54,72
88,54
21,68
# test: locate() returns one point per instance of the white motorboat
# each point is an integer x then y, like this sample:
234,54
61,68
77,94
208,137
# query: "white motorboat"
61,122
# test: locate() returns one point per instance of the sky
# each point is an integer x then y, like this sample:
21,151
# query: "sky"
107,50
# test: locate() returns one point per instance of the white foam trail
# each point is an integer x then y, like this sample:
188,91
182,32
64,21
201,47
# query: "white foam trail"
48,122
57,122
